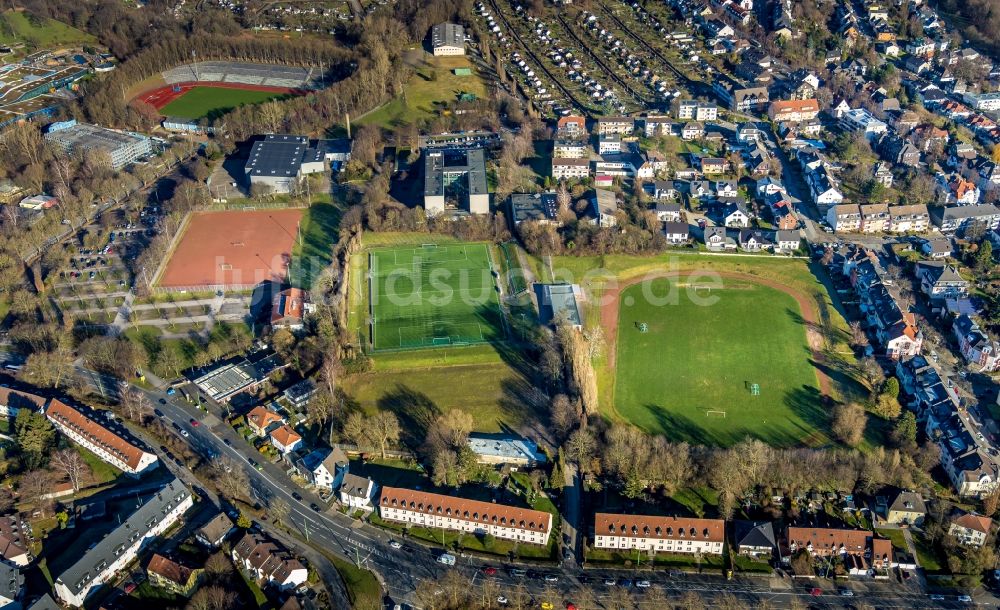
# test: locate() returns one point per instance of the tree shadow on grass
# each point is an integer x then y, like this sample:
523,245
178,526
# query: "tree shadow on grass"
677,427
813,409
415,411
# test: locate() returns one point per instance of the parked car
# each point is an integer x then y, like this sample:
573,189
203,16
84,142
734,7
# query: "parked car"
396,545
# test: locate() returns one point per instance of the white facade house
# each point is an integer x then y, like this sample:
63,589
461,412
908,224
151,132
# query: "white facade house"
859,119
325,468
452,513
101,441
285,440
118,549
692,110
268,562
12,401
565,168
660,534
357,492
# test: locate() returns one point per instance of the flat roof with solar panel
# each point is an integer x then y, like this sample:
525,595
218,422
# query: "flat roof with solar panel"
277,155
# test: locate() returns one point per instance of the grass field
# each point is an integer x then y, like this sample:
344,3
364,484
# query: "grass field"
17,26
213,102
434,295
314,251
433,84
690,374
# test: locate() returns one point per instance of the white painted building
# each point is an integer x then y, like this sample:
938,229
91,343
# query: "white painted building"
101,441
660,534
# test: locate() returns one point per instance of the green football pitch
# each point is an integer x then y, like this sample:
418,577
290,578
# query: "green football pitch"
690,372
213,102
433,295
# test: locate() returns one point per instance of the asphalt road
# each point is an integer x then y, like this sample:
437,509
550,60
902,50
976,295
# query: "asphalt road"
400,571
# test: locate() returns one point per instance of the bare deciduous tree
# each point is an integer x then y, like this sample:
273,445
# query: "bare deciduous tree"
71,464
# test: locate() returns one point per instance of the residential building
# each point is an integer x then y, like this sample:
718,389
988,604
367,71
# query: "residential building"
793,111
692,131
262,420
859,119
569,149
654,126
755,240
11,588
787,241
755,539
908,218
289,308
285,439
426,509
224,380
506,448
622,125
659,534
844,218
171,576
940,280
105,146
735,216
279,161
447,39
739,97
718,240
214,533
455,180
12,401
604,206
83,430
976,346
300,393
691,110
571,127
874,218
954,219
824,188
324,468
677,233
13,544
958,190
712,166
667,212
568,169
609,143
268,562
882,174
357,492
534,207
937,248
119,548
970,529
906,508
860,550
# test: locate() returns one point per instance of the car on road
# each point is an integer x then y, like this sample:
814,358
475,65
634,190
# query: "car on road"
547,606
394,544
228,442
184,433
195,422
297,496
315,507
626,583
551,578
157,412
446,558
610,582
936,597
816,592
518,572
490,571
965,598
846,593
643,584
171,391
163,401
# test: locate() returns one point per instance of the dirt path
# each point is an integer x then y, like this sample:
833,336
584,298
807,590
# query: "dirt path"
612,299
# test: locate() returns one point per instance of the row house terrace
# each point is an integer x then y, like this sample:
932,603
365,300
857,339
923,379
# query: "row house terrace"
659,534
100,440
860,550
448,512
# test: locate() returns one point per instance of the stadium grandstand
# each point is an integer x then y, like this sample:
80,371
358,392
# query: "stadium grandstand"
292,77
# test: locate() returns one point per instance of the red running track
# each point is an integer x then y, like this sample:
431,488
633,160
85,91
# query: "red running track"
162,96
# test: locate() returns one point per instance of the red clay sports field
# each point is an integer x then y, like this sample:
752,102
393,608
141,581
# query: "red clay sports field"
162,96
232,249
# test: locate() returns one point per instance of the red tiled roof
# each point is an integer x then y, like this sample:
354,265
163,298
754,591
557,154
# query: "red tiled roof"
171,570
783,106
978,523
468,510
289,304
830,540
66,415
567,120
285,436
651,526
261,418
17,398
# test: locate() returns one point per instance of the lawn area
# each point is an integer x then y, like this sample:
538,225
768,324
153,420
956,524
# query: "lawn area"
213,102
103,472
750,335
449,539
362,587
660,560
926,555
896,535
431,295
19,26
598,274
313,251
433,84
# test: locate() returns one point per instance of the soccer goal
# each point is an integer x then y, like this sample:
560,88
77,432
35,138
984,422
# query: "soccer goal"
755,389
715,413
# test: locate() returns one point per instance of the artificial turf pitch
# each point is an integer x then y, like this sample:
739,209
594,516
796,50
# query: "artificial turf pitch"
689,376
433,295
212,102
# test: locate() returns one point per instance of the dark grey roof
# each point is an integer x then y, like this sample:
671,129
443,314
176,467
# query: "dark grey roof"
908,501
556,299
277,155
45,602
754,533
533,206
673,228
440,166
136,526
11,582
447,35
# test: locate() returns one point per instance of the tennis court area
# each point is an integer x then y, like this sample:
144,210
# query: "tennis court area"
433,295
